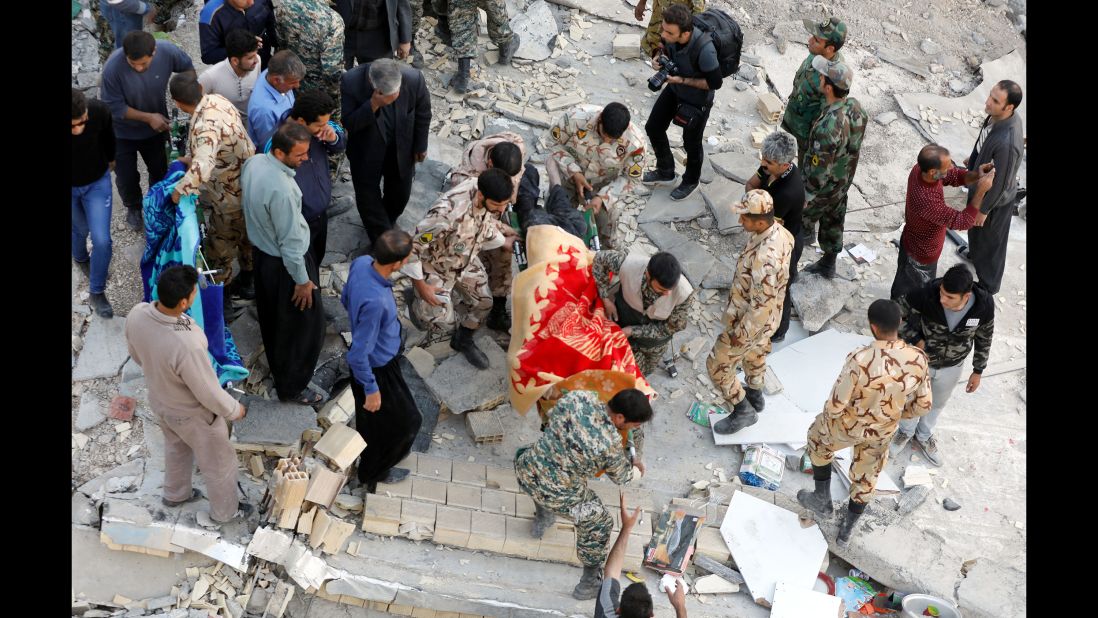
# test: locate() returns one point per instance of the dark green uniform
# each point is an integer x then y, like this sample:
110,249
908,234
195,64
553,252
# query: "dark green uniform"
834,146
805,103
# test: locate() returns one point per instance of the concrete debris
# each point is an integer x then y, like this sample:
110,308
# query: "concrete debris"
91,412
917,475
912,498
714,584
104,350
950,504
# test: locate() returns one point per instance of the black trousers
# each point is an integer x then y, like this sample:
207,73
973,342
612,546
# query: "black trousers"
659,120
380,209
911,275
291,337
125,166
558,208
318,237
987,247
389,432
787,305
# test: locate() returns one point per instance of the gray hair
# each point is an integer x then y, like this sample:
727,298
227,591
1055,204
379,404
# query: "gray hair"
287,65
385,75
780,147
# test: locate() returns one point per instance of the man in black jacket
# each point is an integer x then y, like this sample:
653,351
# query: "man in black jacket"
944,319
375,29
387,114
688,94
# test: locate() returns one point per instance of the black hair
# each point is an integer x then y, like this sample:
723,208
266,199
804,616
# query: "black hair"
1013,92
496,185
615,119
312,104
138,44
184,87
665,269
632,404
636,601
507,157
391,247
885,315
288,135
680,16
79,104
839,92
240,42
175,283
930,157
957,280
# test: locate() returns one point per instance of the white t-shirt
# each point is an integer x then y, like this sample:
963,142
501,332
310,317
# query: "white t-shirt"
222,79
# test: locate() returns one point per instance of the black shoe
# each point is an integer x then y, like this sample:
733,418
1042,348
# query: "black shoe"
460,82
134,218
396,475
657,177
755,398
506,54
824,267
589,584
963,252
442,31
818,501
543,518
777,338
101,305
244,285
85,267
195,495
243,510
850,519
743,415
684,190
417,59
498,319
462,341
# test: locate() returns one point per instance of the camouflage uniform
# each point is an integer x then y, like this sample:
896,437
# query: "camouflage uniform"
610,168
807,97
834,147
168,10
474,161
218,144
650,337
754,311
314,32
879,384
579,441
445,248
103,29
463,24
651,39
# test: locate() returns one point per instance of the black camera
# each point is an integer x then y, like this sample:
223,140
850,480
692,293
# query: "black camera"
667,67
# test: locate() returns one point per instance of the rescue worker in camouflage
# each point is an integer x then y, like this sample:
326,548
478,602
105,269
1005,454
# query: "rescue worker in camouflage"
313,31
944,318
651,43
445,259
807,98
647,296
114,19
582,437
834,145
462,23
217,146
754,311
880,383
505,151
600,150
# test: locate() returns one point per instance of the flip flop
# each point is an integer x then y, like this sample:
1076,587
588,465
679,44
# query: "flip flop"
195,495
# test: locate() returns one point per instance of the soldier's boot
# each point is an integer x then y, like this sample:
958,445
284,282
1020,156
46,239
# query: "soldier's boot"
824,267
462,341
244,285
442,30
850,519
543,518
498,319
506,54
460,82
818,501
743,415
755,398
589,584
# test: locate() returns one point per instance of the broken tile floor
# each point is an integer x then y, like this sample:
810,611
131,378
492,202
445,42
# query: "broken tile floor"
975,556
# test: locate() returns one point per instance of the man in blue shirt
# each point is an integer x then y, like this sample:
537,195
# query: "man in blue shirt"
218,17
385,412
273,95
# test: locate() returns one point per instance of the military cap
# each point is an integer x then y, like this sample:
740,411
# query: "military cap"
838,72
832,29
754,202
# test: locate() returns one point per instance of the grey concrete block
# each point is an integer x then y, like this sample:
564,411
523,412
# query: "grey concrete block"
274,423
104,350
738,166
92,411
818,299
719,196
661,208
461,387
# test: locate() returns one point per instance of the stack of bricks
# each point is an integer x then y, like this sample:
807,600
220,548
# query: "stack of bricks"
339,411
770,107
484,426
395,609
287,489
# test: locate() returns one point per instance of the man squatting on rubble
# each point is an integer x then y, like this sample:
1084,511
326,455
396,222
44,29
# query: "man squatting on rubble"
582,437
880,383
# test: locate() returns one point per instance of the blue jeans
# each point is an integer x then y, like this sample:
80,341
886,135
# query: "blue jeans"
121,23
91,213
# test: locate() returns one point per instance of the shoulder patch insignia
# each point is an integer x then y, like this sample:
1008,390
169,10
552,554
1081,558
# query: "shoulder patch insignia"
621,150
638,156
556,133
427,237
815,159
635,170
459,247
581,133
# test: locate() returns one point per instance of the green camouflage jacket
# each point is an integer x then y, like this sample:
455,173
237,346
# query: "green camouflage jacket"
834,145
807,99
924,319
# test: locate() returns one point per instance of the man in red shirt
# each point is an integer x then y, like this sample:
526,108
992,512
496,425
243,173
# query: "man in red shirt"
927,216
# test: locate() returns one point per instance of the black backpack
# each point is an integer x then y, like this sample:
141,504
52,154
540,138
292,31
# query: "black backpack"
726,35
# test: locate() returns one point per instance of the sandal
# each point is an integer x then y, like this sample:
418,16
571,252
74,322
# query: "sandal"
195,495
306,397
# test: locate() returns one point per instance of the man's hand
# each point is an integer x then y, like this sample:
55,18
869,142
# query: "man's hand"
158,123
186,161
638,11
403,50
241,412
303,296
921,345
176,195
980,218
611,309
640,466
378,100
421,157
627,331
327,134
259,39
984,184
596,203
509,243
678,599
427,293
627,520
966,161
112,165
581,183
655,62
373,402
973,383
986,167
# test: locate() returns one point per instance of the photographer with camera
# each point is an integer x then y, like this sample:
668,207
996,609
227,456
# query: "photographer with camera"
689,65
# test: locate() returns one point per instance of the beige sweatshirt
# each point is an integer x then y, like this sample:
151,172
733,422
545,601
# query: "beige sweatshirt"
173,354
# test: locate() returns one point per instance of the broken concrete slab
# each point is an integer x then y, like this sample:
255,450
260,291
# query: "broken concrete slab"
992,590
422,360
104,350
427,403
426,187
613,10
693,258
824,354
92,411
738,166
461,387
721,274
83,510
274,423
536,28
818,299
662,209
792,602
719,196
130,468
